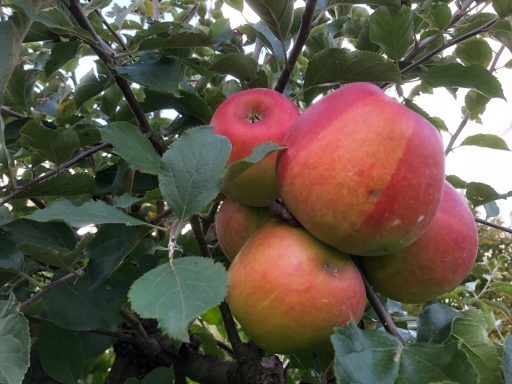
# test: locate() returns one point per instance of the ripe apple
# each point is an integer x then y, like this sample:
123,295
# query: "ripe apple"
362,172
249,118
288,290
235,223
436,263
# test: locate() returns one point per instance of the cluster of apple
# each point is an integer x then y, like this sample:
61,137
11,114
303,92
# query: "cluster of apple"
364,176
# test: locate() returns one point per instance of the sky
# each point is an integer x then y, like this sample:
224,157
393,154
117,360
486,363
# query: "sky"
490,166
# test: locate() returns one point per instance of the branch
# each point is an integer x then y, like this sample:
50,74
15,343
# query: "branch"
302,36
114,33
10,112
50,287
47,175
199,235
210,218
493,225
238,346
378,307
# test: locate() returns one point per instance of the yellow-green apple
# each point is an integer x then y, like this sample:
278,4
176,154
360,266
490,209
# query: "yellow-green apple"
435,263
362,172
248,118
235,223
288,290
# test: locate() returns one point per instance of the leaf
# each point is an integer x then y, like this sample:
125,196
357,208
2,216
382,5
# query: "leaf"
177,295
471,333
55,145
276,14
91,212
237,4
334,65
64,184
10,257
14,344
480,193
474,51
258,153
238,65
62,52
170,35
435,323
456,181
132,146
491,209
457,75
60,353
386,3
79,306
392,31
21,87
109,247
507,360
502,7
192,170
269,40
475,103
90,86
486,140
368,357
162,75
160,375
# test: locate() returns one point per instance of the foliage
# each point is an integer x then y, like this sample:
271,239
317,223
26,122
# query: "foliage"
104,174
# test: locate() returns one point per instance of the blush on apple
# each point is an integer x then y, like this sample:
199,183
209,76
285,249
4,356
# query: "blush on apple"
288,290
436,263
249,118
235,223
362,172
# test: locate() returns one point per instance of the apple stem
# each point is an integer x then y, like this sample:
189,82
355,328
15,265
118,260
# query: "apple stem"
493,225
378,306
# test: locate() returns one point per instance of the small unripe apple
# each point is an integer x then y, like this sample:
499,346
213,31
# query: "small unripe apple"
288,290
362,172
248,118
235,223
436,263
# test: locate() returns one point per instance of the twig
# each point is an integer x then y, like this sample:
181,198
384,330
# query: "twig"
210,218
378,307
135,323
114,33
47,175
12,113
38,202
493,225
302,36
156,10
50,287
174,232
239,347
199,235
257,49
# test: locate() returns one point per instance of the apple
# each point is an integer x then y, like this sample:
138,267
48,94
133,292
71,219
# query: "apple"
436,263
235,223
288,290
362,172
248,118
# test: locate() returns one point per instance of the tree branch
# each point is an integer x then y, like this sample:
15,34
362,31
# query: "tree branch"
114,33
493,225
199,235
10,112
302,36
238,346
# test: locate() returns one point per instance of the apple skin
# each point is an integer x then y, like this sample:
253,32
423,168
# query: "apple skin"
288,290
249,118
436,263
235,223
362,172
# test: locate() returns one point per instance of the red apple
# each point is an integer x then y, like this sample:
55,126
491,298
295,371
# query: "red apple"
249,118
436,263
362,172
288,290
235,223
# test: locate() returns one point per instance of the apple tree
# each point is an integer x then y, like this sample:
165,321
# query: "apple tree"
111,176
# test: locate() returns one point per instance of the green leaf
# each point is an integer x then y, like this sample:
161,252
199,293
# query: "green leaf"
386,3
368,357
64,184
10,257
51,235
491,209
91,212
60,353
12,34
486,140
132,146
276,14
176,295
475,103
435,323
474,51
442,15
90,86
14,344
457,75
109,247
502,7
237,4
192,170
507,360
160,375
471,333
334,65
258,153
238,65
55,145
21,87
170,35
392,31
269,40
480,193
79,306
62,52
162,75
456,181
